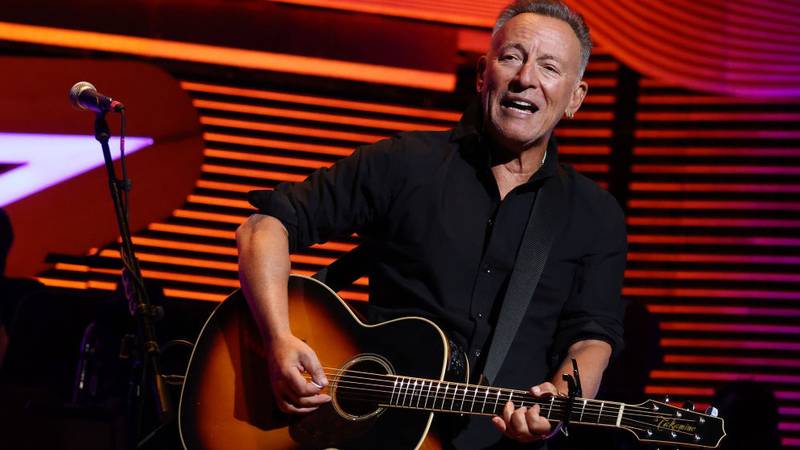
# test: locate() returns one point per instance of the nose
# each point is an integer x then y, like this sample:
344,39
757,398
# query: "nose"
527,76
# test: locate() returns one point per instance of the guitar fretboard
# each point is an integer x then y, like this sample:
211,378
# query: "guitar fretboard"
443,396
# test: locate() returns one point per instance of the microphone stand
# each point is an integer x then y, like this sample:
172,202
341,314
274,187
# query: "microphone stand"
138,302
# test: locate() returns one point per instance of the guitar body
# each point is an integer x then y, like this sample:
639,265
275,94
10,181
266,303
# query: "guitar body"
227,400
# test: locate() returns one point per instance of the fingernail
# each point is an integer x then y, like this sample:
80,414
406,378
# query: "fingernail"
537,390
315,384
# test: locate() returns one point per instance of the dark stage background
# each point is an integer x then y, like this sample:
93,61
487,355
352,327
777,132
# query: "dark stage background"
691,122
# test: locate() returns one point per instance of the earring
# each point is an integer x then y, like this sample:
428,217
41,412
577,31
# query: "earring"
570,114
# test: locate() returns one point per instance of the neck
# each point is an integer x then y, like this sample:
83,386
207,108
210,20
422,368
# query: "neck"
514,169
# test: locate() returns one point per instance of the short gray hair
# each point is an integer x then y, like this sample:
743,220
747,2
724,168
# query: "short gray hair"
557,10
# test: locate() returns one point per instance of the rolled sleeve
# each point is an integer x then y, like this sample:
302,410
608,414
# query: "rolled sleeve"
595,309
334,201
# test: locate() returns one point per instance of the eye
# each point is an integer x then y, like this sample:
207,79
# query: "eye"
552,69
509,57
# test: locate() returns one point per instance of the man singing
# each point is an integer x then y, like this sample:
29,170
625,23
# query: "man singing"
444,214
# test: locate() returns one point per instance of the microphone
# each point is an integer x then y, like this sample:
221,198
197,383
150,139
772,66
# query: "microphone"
84,95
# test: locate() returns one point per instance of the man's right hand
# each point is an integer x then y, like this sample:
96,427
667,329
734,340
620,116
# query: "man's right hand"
289,359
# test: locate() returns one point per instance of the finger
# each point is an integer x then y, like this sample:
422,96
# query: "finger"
291,409
544,389
499,423
518,425
298,384
311,363
508,410
303,401
537,424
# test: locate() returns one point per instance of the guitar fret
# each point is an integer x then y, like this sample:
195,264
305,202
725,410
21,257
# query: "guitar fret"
453,400
582,410
428,395
619,416
550,408
485,397
394,389
600,414
436,395
400,392
412,394
463,399
475,396
496,401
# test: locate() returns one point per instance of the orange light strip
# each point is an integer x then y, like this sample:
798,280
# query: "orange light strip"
230,187
584,150
688,116
584,132
425,14
711,240
713,187
194,295
703,100
211,217
188,246
743,311
679,390
216,55
713,258
715,151
709,275
723,376
321,101
193,231
731,360
252,173
177,261
158,275
313,116
590,167
220,201
289,129
91,284
266,159
714,204
710,293
731,343
712,222
274,143
718,134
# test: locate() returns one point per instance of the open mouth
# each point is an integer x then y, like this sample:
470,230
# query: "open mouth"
520,105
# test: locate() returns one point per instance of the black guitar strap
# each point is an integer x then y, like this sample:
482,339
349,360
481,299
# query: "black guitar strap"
547,217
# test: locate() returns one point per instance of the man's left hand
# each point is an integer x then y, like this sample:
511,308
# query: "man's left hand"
525,424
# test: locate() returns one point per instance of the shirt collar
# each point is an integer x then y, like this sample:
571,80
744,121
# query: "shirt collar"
469,127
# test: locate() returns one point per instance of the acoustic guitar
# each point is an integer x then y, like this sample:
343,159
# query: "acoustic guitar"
386,380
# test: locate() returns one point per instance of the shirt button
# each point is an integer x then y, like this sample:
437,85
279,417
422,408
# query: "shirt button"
490,222
480,315
477,353
487,269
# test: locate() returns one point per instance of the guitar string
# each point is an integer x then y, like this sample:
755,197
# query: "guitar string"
627,422
426,399
385,379
388,379
387,387
589,409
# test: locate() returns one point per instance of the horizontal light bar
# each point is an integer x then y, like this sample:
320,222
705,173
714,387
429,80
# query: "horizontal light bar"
211,138
337,119
210,54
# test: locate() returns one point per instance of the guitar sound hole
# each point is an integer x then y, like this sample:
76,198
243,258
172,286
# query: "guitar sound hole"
361,386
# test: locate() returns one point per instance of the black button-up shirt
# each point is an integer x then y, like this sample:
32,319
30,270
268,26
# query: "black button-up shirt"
444,243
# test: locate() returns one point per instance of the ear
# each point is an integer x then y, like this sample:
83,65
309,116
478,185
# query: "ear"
481,70
577,96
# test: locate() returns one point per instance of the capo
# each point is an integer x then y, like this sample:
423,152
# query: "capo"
574,387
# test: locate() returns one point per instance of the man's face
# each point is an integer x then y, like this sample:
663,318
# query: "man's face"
529,79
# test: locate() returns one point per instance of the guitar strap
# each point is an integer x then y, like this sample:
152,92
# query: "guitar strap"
547,217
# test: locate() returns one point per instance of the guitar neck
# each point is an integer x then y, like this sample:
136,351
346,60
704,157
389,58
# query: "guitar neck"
462,398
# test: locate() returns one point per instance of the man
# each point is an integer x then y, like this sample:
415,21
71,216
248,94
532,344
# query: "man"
444,213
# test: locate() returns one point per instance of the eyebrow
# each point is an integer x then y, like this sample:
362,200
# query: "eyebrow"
522,48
